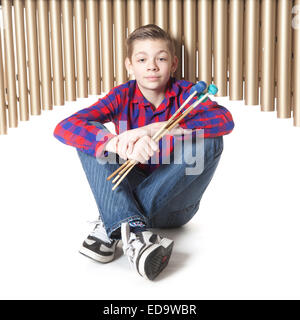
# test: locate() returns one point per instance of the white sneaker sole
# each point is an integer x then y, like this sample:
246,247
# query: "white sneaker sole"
95,256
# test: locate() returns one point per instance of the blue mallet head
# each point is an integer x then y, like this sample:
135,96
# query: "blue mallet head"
199,87
212,89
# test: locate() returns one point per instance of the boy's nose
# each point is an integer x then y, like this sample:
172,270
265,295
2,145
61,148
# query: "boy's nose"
152,66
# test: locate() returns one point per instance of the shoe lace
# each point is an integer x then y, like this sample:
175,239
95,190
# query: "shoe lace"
99,231
134,244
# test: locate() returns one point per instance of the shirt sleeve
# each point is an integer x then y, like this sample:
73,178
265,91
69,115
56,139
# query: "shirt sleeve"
216,120
79,131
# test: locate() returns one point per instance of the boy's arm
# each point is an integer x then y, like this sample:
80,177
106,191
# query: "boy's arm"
213,118
77,131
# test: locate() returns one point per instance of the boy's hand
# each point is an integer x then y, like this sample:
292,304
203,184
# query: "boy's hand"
112,144
126,140
124,143
143,149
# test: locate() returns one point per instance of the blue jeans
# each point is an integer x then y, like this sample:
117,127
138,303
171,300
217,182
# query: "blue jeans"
166,198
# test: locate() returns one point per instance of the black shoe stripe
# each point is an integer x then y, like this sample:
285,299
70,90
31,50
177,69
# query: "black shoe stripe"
96,247
99,241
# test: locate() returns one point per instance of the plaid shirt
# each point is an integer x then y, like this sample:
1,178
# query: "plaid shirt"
126,105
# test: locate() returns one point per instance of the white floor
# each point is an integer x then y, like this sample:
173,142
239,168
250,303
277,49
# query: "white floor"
242,244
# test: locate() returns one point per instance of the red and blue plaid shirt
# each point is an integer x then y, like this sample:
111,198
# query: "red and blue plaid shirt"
125,104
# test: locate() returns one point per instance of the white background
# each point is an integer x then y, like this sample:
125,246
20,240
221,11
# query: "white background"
242,244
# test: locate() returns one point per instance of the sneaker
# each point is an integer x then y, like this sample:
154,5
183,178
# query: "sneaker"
98,245
147,253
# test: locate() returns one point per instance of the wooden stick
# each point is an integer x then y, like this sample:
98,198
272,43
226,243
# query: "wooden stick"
116,171
124,175
194,105
178,119
129,163
174,115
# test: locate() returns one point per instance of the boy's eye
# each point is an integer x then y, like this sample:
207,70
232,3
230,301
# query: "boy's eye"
143,59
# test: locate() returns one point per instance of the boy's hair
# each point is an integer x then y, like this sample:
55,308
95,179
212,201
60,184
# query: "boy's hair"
152,32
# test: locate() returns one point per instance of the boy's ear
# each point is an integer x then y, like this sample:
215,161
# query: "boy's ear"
174,64
128,65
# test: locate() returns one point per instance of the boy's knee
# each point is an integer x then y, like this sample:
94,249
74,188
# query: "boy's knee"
176,223
174,219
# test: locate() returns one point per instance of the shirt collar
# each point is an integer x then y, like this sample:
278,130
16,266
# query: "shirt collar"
171,91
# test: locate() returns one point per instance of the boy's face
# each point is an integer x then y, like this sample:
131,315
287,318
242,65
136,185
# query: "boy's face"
151,64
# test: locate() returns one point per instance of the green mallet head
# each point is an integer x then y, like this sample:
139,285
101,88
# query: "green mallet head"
212,89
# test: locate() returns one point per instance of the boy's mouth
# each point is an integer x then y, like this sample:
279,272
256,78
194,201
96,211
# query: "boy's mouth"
152,78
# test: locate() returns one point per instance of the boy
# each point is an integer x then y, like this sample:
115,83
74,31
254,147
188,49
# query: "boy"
152,195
